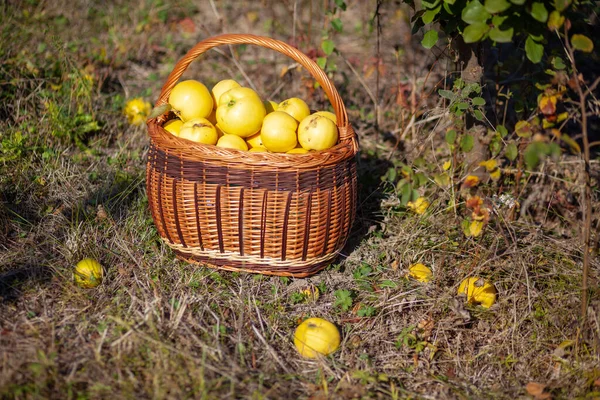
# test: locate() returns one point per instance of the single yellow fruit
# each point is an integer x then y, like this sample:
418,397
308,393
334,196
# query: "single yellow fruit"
173,126
317,132
297,150
88,273
254,141
278,132
296,107
199,130
137,110
478,291
220,88
258,149
327,114
270,106
191,99
420,272
232,142
240,112
315,337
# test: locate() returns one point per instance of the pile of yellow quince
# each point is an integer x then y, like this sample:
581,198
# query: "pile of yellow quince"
234,116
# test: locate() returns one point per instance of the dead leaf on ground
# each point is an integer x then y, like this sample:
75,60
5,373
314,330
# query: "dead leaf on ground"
537,391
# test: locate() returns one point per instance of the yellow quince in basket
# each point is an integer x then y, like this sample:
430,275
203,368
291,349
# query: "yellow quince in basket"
199,130
278,133
240,112
317,132
191,99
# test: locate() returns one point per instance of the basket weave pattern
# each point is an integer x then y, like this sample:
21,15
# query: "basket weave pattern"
279,214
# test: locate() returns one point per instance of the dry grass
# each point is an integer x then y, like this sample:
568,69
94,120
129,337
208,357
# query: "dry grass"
159,328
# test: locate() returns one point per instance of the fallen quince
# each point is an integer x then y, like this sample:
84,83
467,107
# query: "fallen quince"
88,273
316,337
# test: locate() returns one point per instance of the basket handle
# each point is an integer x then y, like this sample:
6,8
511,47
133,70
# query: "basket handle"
346,132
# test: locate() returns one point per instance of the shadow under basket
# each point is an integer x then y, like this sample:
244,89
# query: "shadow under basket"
268,213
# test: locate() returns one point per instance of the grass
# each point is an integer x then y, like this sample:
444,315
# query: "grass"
72,185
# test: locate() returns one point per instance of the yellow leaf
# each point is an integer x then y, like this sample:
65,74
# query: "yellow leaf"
311,293
447,165
548,105
555,20
495,174
419,206
562,116
573,145
523,129
442,180
470,181
478,291
475,228
420,272
489,165
547,124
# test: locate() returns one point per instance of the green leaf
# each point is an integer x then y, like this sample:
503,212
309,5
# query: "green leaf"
447,94
451,2
474,13
532,155
496,6
502,130
561,5
420,179
341,4
558,63
500,36
539,12
495,146
442,179
582,43
518,2
533,50
328,46
511,151
337,24
451,136
430,4
447,7
478,101
343,299
392,174
429,15
159,110
466,143
498,20
322,62
474,32
405,194
478,115
462,105
430,39
387,283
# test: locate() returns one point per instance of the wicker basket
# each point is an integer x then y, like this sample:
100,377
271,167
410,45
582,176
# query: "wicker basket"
269,213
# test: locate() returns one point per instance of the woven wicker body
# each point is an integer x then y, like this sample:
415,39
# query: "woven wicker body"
270,213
